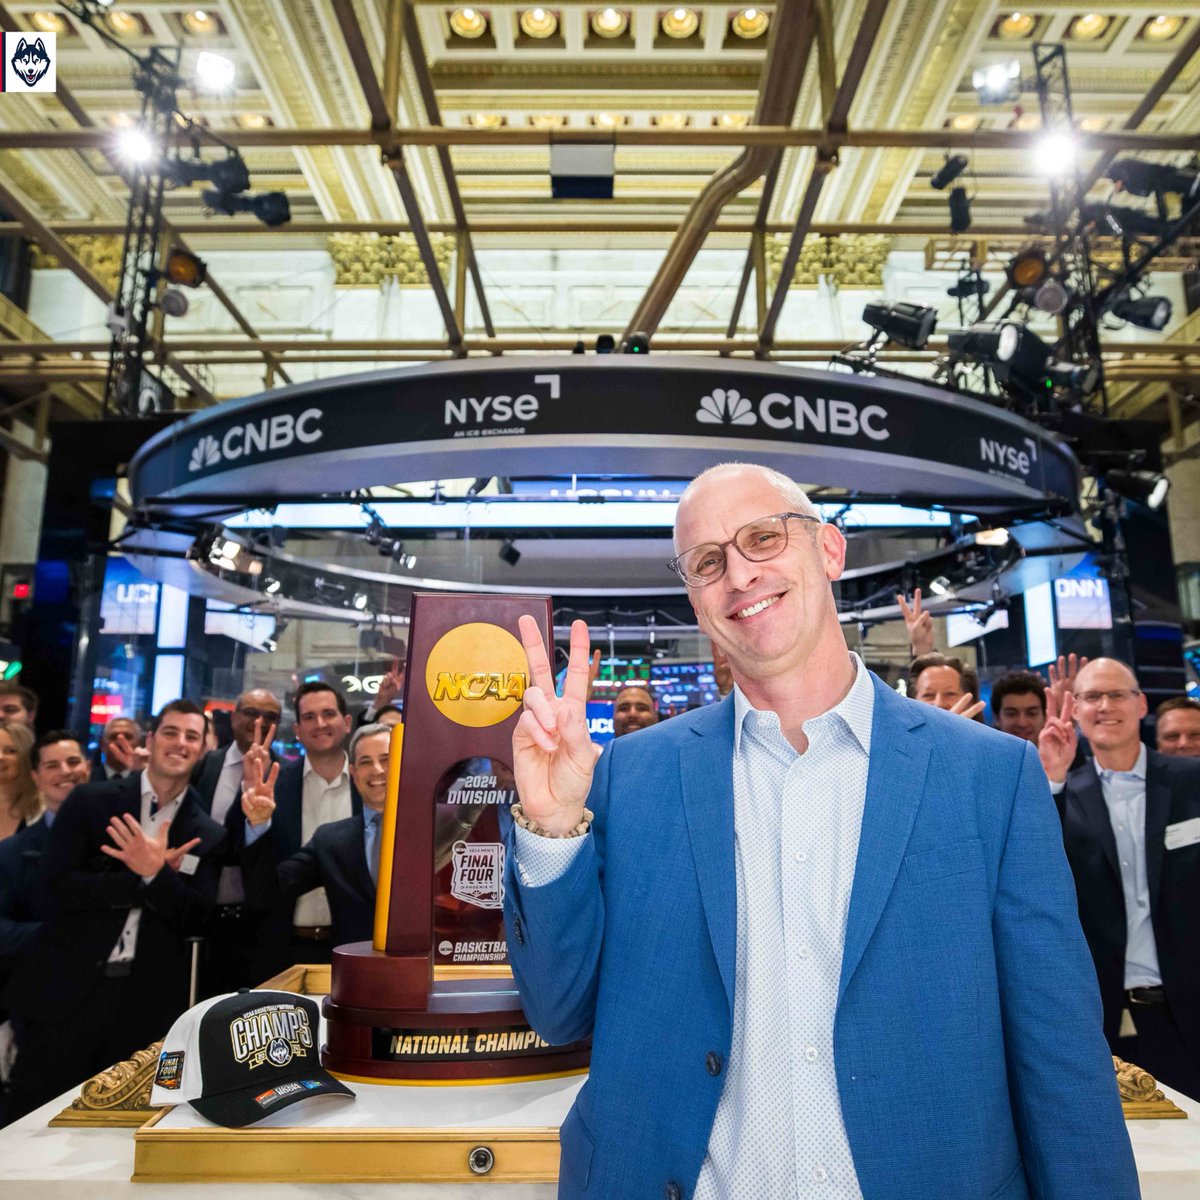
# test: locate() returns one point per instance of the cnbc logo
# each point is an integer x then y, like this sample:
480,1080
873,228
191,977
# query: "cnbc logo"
837,418
476,674
257,437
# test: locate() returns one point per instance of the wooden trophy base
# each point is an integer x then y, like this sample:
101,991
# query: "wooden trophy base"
466,1030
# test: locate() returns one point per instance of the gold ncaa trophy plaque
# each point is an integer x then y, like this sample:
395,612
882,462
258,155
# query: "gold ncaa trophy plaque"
441,868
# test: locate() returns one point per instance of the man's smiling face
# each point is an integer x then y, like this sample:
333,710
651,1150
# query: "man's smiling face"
766,616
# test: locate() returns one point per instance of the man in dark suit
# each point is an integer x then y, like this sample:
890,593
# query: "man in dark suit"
1131,825
121,751
129,873
343,856
231,949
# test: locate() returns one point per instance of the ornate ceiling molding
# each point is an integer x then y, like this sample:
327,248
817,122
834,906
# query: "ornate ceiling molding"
368,260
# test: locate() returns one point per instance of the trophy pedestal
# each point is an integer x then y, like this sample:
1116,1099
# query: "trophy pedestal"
471,1030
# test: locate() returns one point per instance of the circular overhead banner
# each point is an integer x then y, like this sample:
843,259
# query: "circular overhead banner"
662,415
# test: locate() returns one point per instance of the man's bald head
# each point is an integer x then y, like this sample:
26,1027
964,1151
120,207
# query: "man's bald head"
1105,669
791,494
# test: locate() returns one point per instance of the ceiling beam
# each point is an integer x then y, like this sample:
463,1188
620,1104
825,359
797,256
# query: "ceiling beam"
1017,140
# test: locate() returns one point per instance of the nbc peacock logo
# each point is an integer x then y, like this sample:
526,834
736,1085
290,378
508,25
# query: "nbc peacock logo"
206,453
725,406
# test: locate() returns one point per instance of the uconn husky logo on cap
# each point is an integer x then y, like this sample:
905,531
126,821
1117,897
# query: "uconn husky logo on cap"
274,1033
29,63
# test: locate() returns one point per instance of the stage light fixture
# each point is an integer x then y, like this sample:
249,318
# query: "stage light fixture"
1051,297
1054,154
1027,268
940,586
1146,487
636,343
135,146
185,268
680,22
1119,220
509,553
173,303
359,601
538,23
610,22
998,83
1146,312
750,23
214,72
271,208
968,286
1141,178
949,171
960,210
468,23
903,323
1079,378
605,343
271,585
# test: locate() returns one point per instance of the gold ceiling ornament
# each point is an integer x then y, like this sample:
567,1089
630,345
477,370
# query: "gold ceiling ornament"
1161,29
100,253
487,120
1089,27
48,22
371,259
124,24
608,120
851,260
750,23
468,23
200,22
672,120
680,22
963,122
609,22
1016,25
547,120
1093,124
253,120
732,120
539,23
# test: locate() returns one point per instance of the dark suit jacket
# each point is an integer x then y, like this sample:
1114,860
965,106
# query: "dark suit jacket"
287,823
335,859
86,896
1172,795
20,857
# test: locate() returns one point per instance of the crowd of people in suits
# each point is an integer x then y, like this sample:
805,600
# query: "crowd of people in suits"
135,884
169,869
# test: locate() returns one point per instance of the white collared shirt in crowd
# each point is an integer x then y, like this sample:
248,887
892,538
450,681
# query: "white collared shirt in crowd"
321,803
778,1129
126,946
230,889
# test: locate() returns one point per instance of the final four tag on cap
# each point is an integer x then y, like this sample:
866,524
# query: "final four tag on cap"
235,1059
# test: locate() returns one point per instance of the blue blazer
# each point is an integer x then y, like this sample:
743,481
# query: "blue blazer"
971,1063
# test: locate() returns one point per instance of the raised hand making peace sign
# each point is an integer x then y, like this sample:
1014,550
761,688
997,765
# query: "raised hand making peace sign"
553,756
919,623
258,777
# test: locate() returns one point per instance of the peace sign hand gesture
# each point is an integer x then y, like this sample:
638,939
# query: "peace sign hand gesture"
1058,741
258,777
919,622
553,757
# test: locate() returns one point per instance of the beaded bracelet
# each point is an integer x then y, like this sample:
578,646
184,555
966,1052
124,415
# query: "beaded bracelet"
533,827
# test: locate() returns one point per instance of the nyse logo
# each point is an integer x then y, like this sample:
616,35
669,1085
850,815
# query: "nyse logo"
839,418
502,412
257,437
1007,457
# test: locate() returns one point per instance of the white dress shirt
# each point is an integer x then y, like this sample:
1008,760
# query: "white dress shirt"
322,802
778,1129
126,946
230,888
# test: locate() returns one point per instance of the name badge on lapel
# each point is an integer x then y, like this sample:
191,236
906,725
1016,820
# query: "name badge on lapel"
1182,833
188,864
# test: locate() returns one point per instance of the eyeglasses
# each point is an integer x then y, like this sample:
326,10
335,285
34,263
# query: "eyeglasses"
1116,695
755,542
266,714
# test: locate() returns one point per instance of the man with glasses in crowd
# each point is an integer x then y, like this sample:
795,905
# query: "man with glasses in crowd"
840,914
231,948
1131,824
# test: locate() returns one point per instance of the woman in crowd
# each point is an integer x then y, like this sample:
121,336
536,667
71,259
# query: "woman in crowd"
19,802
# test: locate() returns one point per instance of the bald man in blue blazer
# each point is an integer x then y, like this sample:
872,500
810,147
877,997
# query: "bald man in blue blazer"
824,939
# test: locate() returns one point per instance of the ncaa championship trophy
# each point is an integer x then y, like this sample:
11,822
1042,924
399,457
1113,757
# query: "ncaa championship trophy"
441,868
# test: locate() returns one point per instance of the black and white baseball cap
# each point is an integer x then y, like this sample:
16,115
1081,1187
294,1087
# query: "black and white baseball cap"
237,1058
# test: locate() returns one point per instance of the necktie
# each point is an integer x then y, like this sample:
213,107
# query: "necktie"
373,847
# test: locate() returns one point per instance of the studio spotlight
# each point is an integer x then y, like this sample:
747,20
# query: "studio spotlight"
135,146
636,343
1054,155
1079,378
1119,220
998,83
605,343
968,286
904,323
408,561
1027,268
940,586
360,600
960,210
271,585
271,208
579,348
173,303
949,171
1146,487
1051,297
1141,178
214,72
509,553
1146,312
185,268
